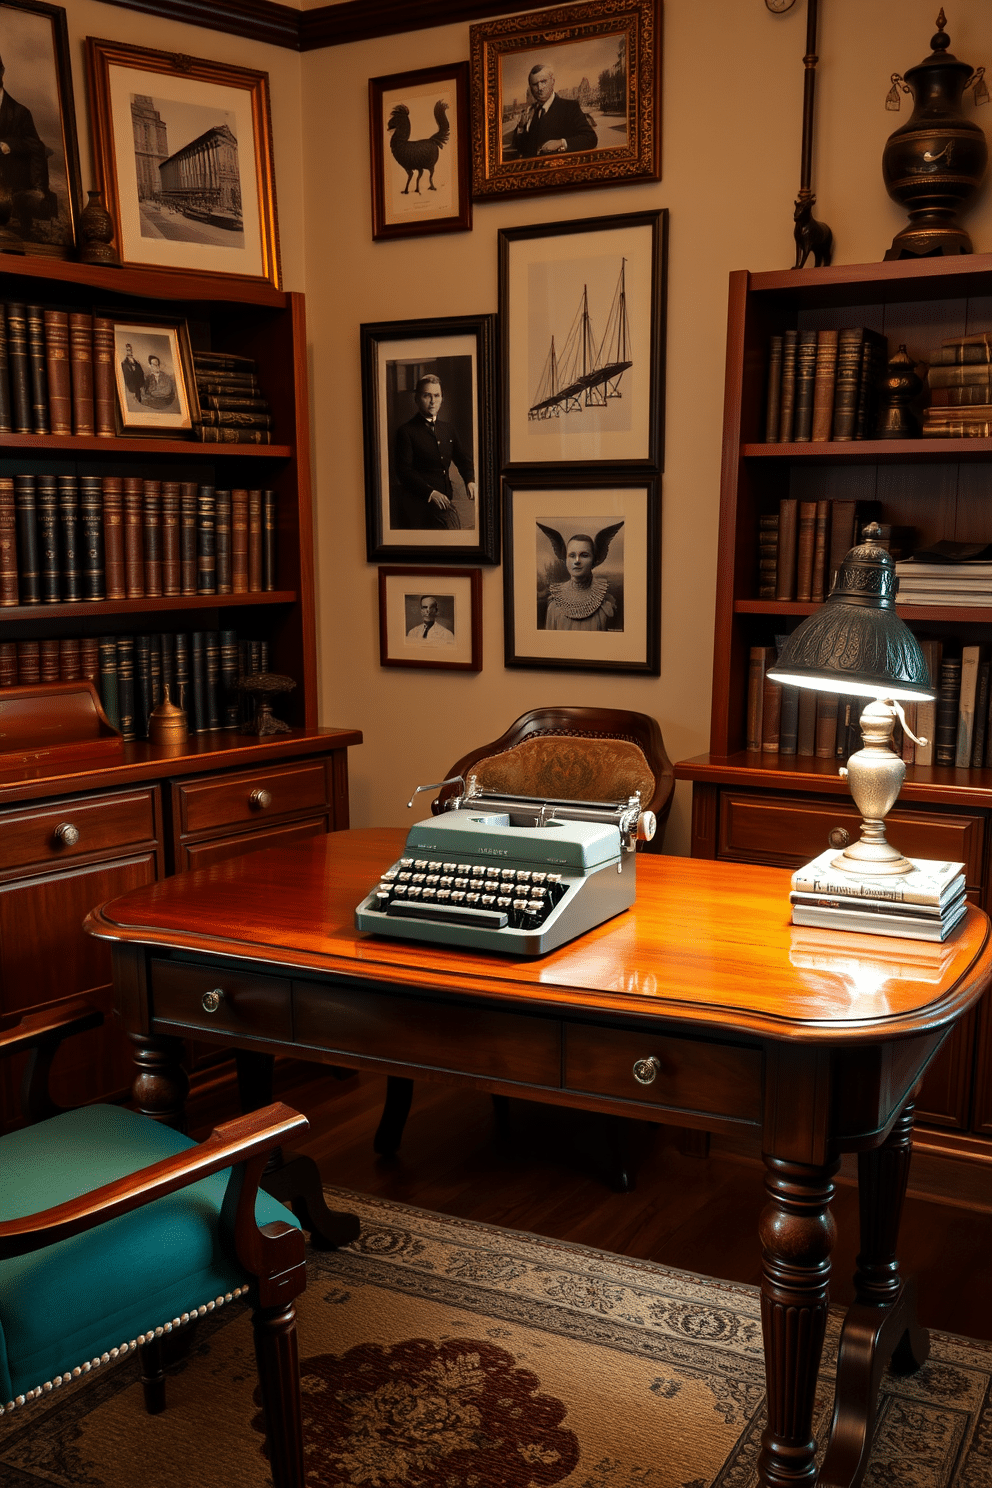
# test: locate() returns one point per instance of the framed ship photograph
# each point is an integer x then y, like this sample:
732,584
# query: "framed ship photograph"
582,327
431,618
429,406
420,152
581,587
567,98
153,370
183,153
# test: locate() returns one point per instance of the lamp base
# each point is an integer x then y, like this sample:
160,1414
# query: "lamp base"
875,775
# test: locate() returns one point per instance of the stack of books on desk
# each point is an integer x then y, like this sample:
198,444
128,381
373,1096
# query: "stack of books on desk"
923,905
968,582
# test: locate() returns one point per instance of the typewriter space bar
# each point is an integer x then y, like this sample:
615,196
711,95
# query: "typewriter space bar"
451,914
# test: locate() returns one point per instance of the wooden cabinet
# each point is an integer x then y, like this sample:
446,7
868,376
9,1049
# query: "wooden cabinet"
779,809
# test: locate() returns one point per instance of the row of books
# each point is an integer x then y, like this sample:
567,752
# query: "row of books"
924,904
232,409
201,670
964,584
90,537
802,545
785,720
960,381
56,372
821,385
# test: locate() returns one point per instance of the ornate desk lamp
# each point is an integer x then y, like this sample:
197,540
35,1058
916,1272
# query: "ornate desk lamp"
857,644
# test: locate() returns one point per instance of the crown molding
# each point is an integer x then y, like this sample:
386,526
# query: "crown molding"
259,20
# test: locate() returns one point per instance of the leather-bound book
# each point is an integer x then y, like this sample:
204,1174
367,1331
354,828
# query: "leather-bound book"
229,677
213,435
206,541
59,374
181,695
167,655
773,400
211,418
155,666
8,542
760,659
254,541
81,366
211,646
788,523
874,360
823,385
171,568
6,416
28,566
971,657
91,549
113,536
946,731
134,545
198,692
806,725
846,386
125,685
847,519
787,404
269,514
228,385
789,724
826,725
771,713
981,716
805,380
38,368
152,499
28,662
69,538
143,699
222,531
239,541
108,679
187,537
104,383
48,660
50,565
805,550
89,659
70,660
223,361
821,548
236,402
20,368
8,663
263,657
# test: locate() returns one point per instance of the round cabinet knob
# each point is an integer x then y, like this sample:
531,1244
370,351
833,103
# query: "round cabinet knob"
839,837
65,835
211,1001
646,1071
259,799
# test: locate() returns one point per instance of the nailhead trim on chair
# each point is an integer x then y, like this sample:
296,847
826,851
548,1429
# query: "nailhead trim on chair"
125,1348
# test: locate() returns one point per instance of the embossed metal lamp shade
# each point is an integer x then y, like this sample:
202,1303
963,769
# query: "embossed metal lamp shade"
856,643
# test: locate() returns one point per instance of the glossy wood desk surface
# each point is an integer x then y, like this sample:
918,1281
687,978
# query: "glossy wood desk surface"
706,944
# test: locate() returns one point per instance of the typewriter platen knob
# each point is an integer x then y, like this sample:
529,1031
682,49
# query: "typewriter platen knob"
647,825
646,1071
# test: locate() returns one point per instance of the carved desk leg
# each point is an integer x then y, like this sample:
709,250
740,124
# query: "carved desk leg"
161,1085
797,1231
881,1325
277,1355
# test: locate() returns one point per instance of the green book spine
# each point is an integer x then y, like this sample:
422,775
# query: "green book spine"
108,679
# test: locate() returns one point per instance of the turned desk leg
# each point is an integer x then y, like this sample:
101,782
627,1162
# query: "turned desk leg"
161,1085
277,1355
797,1232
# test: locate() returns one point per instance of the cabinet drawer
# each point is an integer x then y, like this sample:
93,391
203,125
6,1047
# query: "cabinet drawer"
99,824
789,832
708,1079
217,850
256,1005
250,795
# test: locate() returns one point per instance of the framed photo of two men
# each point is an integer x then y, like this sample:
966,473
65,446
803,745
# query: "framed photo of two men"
429,406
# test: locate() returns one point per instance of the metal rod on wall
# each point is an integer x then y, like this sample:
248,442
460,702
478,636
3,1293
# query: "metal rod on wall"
811,236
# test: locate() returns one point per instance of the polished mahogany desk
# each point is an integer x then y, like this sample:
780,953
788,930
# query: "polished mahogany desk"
735,1018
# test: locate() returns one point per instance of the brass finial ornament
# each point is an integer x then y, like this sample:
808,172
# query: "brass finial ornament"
934,163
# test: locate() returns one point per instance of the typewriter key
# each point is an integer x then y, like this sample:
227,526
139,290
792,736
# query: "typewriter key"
413,892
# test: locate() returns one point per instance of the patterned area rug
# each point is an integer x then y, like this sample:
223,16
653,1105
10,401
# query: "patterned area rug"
442,1354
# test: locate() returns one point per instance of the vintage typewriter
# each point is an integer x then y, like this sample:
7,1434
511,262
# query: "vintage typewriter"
509,873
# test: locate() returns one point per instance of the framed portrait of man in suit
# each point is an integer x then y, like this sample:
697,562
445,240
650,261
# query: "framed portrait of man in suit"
567,98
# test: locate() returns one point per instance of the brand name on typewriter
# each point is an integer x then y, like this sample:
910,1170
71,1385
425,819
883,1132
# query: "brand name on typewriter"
495,852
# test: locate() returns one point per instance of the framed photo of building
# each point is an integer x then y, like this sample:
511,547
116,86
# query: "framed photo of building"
431,618
581,587
582,327
567,98
153,369
184,158
40,164
420,152
429,405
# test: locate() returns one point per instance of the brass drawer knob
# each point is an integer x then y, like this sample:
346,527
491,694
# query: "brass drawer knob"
259,799
839,837
646,1071
65,835
211,1001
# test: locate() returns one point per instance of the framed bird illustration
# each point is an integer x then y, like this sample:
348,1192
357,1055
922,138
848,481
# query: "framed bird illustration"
420,152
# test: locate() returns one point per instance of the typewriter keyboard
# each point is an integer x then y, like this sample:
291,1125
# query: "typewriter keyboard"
468,894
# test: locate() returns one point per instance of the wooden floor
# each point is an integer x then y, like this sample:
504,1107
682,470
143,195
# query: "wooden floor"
550,1176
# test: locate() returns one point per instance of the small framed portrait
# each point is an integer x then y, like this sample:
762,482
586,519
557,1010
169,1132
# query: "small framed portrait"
582,324
431,617
420,152
581,586
39,164
183,153
567,98
156,388
429,395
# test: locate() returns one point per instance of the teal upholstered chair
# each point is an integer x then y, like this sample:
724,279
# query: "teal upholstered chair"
116,1230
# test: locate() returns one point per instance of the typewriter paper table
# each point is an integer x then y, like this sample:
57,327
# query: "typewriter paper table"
740,1020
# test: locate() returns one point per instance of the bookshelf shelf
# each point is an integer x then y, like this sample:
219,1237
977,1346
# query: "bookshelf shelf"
184,449
149,605
874,451
941,614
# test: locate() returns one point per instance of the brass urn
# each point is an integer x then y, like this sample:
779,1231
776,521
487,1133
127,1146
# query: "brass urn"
935,162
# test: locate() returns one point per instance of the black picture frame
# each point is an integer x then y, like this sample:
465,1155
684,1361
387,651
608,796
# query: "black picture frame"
395,356
541,391
138,413
420,94
623,632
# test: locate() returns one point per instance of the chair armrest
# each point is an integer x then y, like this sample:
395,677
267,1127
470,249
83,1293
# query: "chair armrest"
29,1031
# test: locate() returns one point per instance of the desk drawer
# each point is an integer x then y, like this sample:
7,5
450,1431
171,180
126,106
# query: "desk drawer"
112,825
259,1006
251,795
429,1035
708,1079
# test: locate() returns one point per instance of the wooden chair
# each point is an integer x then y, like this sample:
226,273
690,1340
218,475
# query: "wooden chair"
117,1232
580,754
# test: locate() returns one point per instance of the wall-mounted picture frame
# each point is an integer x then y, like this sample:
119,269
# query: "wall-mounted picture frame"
40,165
581,574
429,405
431,618
153,369
183,151
582,328
567,98
418,123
